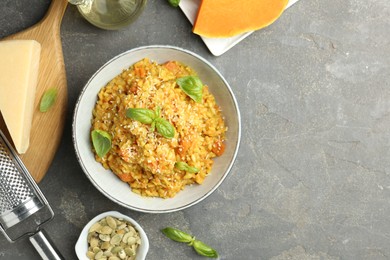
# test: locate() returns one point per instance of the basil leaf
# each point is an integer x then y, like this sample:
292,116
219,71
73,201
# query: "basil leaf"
157,112
101,141
147,116
143,115
204,250
177,235
183,166
192,86
180,236
164,128
48,99
174,3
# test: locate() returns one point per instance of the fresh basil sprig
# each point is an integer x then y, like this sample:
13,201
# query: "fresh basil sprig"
183,166
143,115
164,127
180,236
150,117
177,235
174,3
205,250
101,141
192,86
48,99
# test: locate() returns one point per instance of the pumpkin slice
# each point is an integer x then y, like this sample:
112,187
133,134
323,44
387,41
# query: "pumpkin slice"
226,18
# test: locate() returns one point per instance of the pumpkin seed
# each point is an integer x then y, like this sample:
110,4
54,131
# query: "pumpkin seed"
125,237
99,255
132,233
112,239
104,237
129,251
94,242
122,226
95,227
96,250
116,239
121,231
131,241
116,249
105,245
132,229
122,254
111,222
103,222
91,255
106,230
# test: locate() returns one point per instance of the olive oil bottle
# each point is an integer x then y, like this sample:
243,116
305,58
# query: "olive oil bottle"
110,14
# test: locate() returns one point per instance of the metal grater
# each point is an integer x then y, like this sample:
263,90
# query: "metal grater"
23,207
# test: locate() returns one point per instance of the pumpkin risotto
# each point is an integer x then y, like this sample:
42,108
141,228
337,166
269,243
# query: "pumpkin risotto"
151,163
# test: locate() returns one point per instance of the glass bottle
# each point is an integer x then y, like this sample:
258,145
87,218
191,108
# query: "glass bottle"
110,14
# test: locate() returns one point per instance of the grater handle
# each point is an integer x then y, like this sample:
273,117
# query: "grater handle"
44,247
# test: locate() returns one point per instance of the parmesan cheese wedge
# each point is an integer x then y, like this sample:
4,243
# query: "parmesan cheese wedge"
19,65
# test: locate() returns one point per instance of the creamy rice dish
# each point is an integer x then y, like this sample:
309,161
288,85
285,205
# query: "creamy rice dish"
164,127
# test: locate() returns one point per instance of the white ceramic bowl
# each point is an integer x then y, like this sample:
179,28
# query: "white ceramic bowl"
81,246
106,181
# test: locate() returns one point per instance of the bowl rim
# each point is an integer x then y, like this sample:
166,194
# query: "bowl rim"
80,246
237,145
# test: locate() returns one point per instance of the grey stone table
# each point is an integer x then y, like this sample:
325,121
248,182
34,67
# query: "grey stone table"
312,177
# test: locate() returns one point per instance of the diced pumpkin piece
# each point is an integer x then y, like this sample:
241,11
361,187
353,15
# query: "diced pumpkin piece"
227,18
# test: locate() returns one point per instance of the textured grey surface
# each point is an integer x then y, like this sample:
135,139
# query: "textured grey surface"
311,180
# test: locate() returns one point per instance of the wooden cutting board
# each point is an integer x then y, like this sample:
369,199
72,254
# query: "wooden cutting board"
47,128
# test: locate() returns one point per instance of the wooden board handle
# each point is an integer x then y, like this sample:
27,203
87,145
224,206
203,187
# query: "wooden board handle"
55,13
47,128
